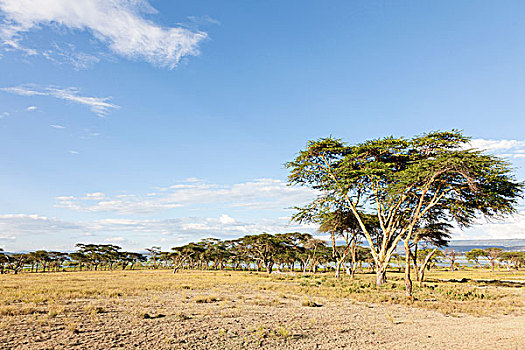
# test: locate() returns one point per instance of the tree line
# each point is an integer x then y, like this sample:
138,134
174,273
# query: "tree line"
88,257
294,252
262,252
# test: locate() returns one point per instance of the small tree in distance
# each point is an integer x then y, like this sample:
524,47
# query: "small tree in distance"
474,255
492,254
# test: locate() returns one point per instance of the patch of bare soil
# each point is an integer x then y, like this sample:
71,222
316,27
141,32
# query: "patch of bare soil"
227,320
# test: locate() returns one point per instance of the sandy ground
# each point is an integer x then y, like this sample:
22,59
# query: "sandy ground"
249,322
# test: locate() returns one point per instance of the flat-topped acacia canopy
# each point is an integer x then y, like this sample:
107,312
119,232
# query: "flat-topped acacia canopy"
406,184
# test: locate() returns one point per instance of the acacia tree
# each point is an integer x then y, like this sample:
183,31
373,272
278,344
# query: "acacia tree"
341,224
427,258
311,253
435,235
474,256
130,259
187,254
154,252
516,259
492,254
263,248
405,182
15,262
39,258
450,255
57,260
4,260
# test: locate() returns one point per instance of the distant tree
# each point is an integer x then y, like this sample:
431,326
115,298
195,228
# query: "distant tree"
39,258
154,253
57,260
164,258
434,235
508,258
312,254
492,254
237,254
450,255
187,254
109,254
214,253
427,258
517,259
80,260
131,259
341,224
292,246
4,261
96,255
263,248
16,262
474,255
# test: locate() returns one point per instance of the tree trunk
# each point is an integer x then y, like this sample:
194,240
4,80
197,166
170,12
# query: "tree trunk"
338,268
408,281
424,266
380,275
269,267
354,258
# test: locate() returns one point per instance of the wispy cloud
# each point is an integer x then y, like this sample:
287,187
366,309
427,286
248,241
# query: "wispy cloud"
119,24
98,105
73,152
56,126
68,54
4,114
260,194
31,108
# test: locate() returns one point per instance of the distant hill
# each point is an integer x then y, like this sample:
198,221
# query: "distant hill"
469,244
465,245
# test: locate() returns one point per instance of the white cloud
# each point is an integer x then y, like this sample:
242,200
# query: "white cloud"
258,194
4,114
73,152
131,232
98,105
119,239
95,196
120,24
56,126
16,225
511,227
505,148
226,219
21,231
31,108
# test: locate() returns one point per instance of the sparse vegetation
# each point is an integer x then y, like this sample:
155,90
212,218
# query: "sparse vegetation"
193,297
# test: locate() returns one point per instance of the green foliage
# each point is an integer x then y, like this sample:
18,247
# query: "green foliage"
410,185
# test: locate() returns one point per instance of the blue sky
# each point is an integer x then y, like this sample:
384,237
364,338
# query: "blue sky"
156,123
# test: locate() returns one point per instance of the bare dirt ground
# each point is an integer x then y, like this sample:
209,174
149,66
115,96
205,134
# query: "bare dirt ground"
239,317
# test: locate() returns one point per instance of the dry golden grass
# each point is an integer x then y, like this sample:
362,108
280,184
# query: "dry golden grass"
54,293
155,309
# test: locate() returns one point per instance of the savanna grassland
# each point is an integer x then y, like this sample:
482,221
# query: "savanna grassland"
156,309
